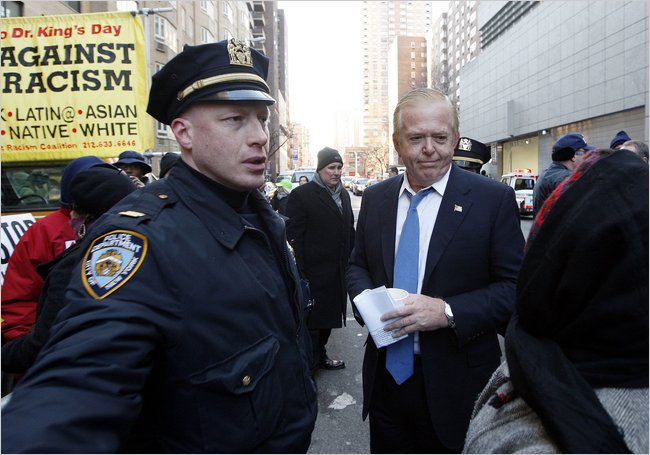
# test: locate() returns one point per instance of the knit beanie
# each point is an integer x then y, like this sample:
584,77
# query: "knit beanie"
167,162
73,168
328,156
96,190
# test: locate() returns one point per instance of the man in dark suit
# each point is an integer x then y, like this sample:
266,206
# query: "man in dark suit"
320,229
470,251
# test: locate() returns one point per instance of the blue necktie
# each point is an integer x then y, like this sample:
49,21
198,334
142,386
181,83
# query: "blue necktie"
399,355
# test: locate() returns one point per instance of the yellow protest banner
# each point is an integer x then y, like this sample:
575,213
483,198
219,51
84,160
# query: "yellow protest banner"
73,85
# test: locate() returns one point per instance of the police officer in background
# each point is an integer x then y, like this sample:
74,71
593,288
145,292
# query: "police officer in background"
185,327
471,154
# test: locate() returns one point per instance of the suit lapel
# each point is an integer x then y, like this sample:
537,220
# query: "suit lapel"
388,219
454,208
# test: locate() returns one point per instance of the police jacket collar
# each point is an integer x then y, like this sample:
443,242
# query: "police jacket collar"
213,205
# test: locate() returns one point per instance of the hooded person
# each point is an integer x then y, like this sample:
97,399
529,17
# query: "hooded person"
91,193
576,376
41,243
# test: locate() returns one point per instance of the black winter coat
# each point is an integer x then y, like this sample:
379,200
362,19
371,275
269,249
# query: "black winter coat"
322,239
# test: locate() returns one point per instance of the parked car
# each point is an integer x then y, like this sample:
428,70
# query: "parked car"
522,181
347,181
359,185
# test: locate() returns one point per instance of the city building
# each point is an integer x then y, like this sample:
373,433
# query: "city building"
549,68
407,69
299,145
382,21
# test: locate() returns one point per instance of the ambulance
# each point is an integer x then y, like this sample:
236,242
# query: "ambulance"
522,181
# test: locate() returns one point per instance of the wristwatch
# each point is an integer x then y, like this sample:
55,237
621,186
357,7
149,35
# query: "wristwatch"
451,322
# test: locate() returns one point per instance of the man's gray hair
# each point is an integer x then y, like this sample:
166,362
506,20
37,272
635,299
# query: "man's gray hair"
424,94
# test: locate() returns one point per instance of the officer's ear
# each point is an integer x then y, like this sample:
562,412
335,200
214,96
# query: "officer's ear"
182,129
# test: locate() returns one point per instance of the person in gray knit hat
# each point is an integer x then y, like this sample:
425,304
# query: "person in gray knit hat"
321,231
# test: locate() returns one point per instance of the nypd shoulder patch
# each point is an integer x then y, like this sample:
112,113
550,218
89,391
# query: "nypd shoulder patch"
111,261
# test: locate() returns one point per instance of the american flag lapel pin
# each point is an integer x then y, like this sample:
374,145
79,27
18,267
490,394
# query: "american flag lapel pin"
458,208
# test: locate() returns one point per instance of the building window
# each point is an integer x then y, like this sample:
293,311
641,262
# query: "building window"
11,9
124,5
208,8
162,130
165,32
159,27
206,36
227,11
76,6
189,27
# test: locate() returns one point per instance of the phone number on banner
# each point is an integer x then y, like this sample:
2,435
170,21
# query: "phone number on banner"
103,144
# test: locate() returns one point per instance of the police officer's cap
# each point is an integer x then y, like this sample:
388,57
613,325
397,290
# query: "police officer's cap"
224,71
471,153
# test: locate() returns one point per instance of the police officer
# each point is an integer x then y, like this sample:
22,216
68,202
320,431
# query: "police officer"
185,327
471,154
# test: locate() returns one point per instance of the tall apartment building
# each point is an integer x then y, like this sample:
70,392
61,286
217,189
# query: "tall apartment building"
382,21
299,146
407,69
463,43
169,25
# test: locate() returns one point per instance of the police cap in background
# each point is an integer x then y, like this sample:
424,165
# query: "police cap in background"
224,71
471,154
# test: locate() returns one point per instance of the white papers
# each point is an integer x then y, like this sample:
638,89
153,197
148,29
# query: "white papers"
372,304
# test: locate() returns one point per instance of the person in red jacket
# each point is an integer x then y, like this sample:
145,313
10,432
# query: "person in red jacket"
42,242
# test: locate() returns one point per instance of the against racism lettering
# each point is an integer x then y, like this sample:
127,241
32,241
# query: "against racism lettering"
68,54
62,80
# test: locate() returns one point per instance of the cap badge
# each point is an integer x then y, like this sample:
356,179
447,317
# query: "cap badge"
239,53
111,260
465,144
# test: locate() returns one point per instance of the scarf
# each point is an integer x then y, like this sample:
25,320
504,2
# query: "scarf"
581,316
335,193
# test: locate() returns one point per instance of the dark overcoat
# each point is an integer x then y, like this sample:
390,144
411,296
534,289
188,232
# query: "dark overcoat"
322,237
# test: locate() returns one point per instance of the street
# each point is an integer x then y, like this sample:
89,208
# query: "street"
339,427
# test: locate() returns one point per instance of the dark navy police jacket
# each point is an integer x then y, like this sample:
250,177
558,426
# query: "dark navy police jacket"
184,332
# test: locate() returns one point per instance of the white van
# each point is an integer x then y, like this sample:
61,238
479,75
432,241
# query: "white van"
302,172
522,181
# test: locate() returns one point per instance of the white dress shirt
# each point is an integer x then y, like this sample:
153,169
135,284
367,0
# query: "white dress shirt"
427,215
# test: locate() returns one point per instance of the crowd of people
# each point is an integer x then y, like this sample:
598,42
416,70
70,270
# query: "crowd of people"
190,313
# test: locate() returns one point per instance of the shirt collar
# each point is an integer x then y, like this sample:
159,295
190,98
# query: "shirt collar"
438,186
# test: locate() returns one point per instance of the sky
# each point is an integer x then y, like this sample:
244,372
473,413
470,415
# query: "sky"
324,63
